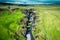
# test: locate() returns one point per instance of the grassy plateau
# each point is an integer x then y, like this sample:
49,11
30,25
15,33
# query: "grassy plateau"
47,26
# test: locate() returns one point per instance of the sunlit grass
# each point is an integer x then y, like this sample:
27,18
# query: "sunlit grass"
9,23
50,23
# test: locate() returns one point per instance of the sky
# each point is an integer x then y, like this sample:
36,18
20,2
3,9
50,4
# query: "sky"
32,1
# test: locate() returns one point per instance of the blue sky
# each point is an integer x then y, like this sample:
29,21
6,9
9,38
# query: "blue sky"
32,1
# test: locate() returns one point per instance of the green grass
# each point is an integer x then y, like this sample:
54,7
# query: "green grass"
9,24
47,28
49,24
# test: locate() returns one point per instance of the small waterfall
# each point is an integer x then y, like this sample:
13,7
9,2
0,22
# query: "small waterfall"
28,36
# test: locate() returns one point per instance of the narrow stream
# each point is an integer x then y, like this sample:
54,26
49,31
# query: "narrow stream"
29,30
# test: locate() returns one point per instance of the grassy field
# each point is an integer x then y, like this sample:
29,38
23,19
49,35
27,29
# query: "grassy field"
9,24
47,26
